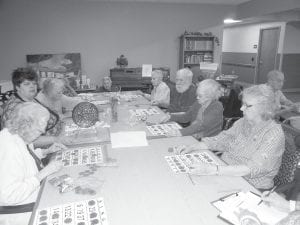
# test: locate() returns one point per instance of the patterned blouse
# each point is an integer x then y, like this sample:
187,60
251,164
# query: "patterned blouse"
54,125
8,107
259,148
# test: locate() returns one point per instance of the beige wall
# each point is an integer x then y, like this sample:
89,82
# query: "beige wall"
292,38
144,32
243,38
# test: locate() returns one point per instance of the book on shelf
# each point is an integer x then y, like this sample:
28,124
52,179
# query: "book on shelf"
199,45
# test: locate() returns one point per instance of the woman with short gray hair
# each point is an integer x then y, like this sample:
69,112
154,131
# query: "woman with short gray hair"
52,98
21,170
252,147
205,116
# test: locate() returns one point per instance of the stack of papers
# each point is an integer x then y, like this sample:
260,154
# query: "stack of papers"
236,207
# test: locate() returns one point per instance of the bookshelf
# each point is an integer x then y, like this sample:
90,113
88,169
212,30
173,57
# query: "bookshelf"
195,49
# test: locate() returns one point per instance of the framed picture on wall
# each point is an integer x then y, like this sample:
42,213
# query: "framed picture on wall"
64,65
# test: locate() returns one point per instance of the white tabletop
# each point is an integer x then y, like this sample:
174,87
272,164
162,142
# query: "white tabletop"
143,190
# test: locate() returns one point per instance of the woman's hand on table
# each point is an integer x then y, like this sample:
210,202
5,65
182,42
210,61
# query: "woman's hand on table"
200,146
276,201
165,118
203,169
157,119
55,147
173,133
51,168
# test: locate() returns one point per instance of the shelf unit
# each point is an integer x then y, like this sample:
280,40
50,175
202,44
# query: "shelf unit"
195,49
131,78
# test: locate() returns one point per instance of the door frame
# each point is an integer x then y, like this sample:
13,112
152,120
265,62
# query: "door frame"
259,50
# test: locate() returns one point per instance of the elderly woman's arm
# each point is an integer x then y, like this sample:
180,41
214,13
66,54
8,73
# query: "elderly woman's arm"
14,187
210,119
221,141
264,162
44,141
185,117
69,102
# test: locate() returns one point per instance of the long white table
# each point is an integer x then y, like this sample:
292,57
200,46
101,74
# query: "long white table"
143,190
123,123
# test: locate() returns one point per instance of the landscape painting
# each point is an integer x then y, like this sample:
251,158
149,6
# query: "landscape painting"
55,65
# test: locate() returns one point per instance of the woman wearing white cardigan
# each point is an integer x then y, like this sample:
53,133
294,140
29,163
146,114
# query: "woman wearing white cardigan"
21,170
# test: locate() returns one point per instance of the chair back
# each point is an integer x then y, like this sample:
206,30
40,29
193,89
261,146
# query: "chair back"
290,157
228,122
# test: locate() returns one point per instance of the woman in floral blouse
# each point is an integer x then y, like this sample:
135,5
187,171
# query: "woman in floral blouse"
253,147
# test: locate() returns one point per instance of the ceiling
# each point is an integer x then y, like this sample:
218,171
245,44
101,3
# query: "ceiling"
226,2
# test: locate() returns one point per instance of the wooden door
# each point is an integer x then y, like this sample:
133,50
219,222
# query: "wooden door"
267,53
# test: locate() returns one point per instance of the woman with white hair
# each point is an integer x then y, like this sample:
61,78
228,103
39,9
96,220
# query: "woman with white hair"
108,86
21,170
205,116
160,95
51,97
275,81
253,147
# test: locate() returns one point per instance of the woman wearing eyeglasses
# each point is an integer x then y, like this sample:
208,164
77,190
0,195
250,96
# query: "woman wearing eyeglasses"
25,85
253,147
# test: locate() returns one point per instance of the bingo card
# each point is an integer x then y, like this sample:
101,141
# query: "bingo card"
143,112
162,129
81,156
88,212
180,163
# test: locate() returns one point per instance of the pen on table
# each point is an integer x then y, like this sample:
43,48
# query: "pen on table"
189,175
270,192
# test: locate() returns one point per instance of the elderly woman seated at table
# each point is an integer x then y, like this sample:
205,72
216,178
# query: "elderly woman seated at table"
51,96
160,95
108,87
275,81
253,147
205,116
20,169
25,84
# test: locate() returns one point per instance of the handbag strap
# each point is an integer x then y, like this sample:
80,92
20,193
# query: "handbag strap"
12,209
37,160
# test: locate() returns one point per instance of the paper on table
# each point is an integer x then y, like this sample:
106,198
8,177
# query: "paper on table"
209,66
146,70
128,139
246,204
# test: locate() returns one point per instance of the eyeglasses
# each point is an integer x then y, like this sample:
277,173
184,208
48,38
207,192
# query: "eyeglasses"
246,106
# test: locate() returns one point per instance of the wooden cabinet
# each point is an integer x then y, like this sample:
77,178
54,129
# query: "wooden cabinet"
195,49
131,78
